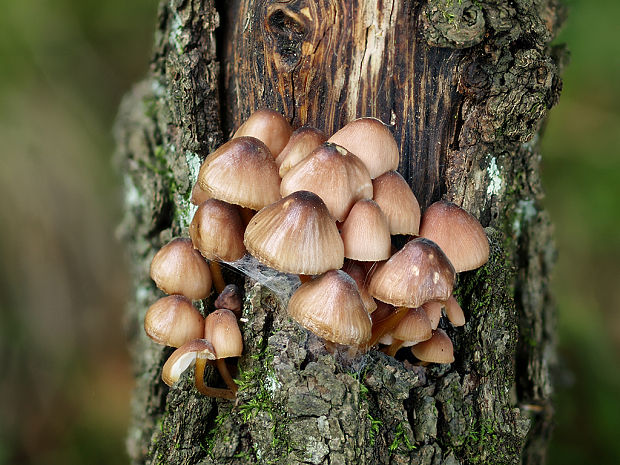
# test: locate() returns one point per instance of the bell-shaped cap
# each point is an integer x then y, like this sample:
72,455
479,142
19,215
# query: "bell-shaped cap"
365,233
458,233
372,142
438,349
454,312
173,321
416,274
185,356
331,307
413,328
332,173
397,201
268,126
296,235
178,268
217,231
222,330
230,299
301,144
242,172
433,312
360,276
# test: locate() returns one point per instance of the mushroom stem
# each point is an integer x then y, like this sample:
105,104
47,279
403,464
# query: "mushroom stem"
199,379
379,328
223,369
216,275
246,215
394,347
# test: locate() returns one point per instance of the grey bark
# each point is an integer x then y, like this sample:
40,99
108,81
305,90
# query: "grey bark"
466,86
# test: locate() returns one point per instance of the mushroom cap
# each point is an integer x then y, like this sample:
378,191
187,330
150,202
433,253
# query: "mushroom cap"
433,312
458,233
268,126
365,233
296,235
173,321
397,201
222,330
417,273
360,276
183,357
198,195
331,307
332,173
243,172
301,144
177,268
217,231
372,142
230,298
438,349
454,312
413,328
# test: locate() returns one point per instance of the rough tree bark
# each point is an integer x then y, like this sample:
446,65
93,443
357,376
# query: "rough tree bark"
465,85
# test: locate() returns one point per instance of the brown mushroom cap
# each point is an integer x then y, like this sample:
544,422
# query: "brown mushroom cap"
360,276
173,321
198,195
180,269
222,330
334,174
372,142
301,144
217,231
365,233
458,233
397,201
454,312
268,126
416,274
242,172
413,328
296,235
331,307
438,349
433,312
230,298
183,357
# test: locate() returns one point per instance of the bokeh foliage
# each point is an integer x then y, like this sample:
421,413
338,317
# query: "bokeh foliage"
64,65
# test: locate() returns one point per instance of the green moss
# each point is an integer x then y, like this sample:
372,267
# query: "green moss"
401,439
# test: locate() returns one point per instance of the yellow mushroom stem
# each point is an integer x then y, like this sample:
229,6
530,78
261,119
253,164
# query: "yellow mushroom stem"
199,379
246,215
223,369
381,327
216,275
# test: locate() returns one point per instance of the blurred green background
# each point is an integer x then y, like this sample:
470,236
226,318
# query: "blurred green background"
66,380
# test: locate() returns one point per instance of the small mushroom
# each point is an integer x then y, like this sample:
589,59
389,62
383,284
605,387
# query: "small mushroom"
372,142
331,307
177,268
438,349
222,330
398,203
458,233
173,321
365,233
415,327
454,312
303,141
296,235
230,298
200,352
332,173
268,126
217,231
433,312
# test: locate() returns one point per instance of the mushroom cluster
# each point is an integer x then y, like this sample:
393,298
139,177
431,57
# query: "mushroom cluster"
325,209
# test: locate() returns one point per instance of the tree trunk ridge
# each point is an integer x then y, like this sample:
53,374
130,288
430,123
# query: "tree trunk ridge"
465,86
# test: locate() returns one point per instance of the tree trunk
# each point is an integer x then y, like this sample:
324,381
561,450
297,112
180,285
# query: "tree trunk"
465,86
